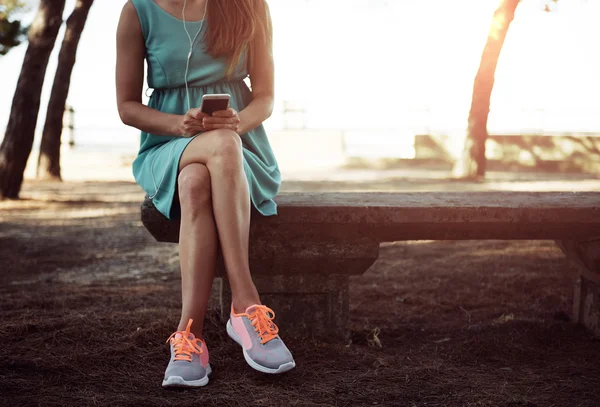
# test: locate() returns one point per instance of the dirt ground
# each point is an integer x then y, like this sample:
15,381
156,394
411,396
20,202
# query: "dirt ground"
88,300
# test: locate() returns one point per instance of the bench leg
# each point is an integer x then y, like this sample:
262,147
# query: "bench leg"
314,304
585,257
305,305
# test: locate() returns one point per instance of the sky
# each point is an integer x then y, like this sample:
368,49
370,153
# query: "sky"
384,64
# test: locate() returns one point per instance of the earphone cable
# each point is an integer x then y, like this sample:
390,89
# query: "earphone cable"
187,93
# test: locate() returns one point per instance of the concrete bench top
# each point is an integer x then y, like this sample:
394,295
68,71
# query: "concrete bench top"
391,216
302,259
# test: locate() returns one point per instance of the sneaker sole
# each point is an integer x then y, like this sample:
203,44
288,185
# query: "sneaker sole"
282,369
177,381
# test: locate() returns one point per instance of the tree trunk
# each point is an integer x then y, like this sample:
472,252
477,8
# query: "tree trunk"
20,131
472,163
49,158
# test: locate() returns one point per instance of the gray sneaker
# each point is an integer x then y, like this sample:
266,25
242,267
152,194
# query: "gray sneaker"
258,336
189,365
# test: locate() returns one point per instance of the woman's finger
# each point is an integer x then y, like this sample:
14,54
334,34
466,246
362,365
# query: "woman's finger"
191,119
199,114
219,120
193,112
192,123
225,113
221,126
194,129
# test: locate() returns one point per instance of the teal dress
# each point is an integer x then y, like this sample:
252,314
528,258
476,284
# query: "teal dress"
156,166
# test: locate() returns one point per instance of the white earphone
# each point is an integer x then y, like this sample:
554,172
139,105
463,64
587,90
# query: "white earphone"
187,94
192,41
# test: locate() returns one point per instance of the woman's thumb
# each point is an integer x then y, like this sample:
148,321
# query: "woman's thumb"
195,113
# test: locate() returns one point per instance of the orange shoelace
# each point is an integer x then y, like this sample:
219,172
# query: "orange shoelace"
183,346
262,321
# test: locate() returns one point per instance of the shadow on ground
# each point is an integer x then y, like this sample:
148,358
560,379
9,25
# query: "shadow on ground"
88,299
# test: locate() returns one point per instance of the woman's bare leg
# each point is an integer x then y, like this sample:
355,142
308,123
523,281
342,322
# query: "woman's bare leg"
221,152
197,245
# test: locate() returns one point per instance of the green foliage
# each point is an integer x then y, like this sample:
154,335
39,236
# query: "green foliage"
10,7
11,31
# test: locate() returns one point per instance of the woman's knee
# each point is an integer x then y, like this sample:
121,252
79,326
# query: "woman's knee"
228,147
194,186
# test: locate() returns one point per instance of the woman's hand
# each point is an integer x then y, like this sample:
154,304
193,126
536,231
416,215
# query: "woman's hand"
223,119
191,123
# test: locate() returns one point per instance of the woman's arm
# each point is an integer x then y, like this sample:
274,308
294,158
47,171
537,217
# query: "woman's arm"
130,80
262,72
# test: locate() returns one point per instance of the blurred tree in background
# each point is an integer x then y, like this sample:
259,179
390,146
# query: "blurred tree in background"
49,158
472,163
11,31
18,139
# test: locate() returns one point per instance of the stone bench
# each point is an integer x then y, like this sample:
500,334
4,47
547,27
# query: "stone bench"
301,259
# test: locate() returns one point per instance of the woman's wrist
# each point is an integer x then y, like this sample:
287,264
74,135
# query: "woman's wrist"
248,122
255,113
241,127
175,125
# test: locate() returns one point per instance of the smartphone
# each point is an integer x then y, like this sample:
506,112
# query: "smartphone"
215,102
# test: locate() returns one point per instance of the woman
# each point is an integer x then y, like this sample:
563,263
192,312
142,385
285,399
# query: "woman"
205,170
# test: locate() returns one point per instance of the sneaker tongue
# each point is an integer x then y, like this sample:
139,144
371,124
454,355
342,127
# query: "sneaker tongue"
251,309
178,336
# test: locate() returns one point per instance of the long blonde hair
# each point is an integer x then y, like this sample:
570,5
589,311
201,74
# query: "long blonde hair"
236,26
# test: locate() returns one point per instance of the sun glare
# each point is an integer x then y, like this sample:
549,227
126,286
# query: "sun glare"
383,60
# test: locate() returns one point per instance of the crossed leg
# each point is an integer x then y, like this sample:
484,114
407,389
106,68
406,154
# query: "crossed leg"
215,206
